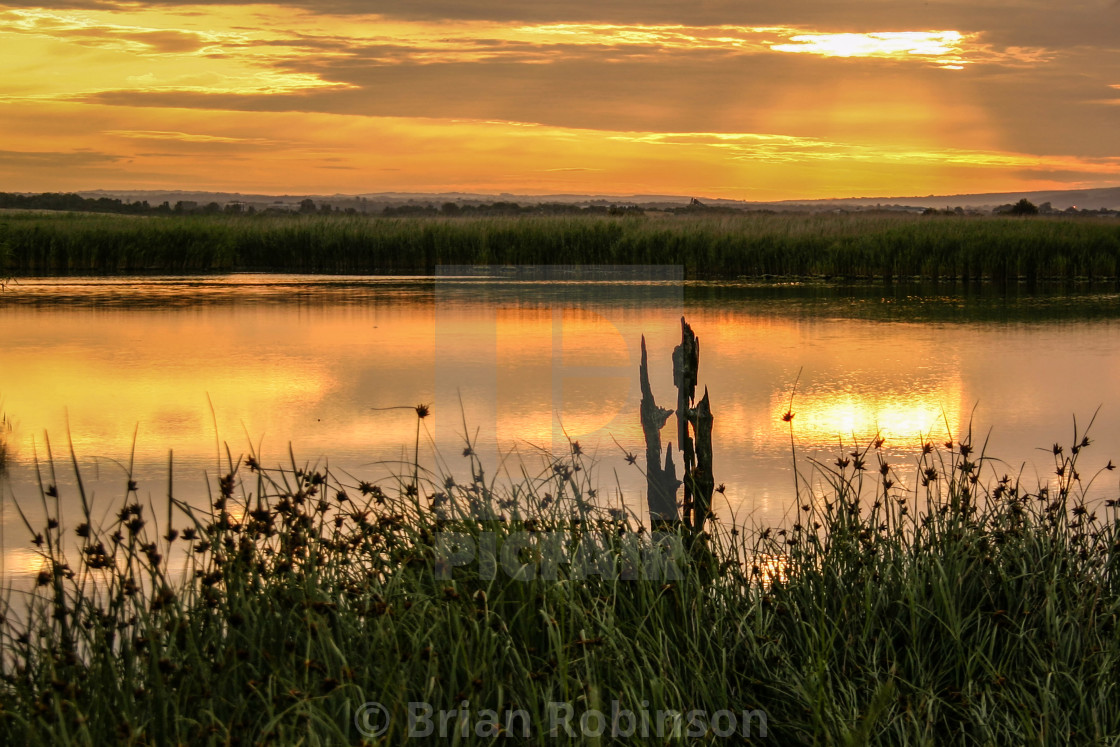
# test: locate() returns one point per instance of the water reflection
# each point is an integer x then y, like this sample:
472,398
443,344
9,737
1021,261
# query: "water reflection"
899,417
132,369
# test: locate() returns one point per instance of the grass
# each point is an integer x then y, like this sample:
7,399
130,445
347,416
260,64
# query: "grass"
959,608
5,432
885,246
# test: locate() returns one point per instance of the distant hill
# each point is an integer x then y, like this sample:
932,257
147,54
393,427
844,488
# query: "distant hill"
375,201
1082,199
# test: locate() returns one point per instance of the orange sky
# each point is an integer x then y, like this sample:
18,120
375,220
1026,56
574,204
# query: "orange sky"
757,101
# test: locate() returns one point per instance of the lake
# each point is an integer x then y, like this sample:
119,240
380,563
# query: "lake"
135,370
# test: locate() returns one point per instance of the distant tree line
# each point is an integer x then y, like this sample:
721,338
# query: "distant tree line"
70,201
1024,207
73,202
455,209
452,209
76,203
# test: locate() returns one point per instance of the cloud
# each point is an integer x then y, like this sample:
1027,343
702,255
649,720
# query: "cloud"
637,76
546,43
83,30
187,137
773,148
689,91
621,11
90,51
48,159
946,48
950,50
398,154
946,82
384,40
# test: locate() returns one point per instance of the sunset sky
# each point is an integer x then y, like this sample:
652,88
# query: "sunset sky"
744,99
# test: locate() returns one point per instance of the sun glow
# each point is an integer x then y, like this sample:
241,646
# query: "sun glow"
580,386
250,51
943,48
144,97
899,417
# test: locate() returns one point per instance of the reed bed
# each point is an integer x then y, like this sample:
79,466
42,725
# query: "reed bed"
918,604
885,246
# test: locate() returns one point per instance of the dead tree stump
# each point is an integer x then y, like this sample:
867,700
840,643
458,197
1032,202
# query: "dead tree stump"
695,443
700,479
661,481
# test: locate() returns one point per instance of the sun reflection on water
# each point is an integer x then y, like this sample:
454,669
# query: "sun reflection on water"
901,417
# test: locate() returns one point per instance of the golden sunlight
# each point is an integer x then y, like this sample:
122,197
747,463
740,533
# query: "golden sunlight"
562,374
95,51
943,48
903,418
146,97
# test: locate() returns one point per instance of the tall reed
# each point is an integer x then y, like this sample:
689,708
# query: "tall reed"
905,604
5,433
895,246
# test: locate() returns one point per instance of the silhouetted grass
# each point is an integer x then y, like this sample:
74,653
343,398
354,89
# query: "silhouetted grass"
5,432
957,609
887,246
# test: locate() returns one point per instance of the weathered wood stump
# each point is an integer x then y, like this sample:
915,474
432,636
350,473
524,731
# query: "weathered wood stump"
661,481
695,444
701,480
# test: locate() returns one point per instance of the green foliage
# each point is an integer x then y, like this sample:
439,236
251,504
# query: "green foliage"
1024,207
5,432
5,255
960,609
757,245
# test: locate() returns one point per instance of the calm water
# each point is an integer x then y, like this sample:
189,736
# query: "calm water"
131,369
